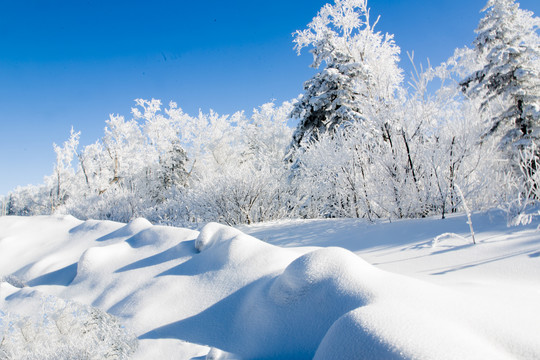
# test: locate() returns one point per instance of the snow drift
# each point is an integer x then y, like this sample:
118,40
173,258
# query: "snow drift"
222,293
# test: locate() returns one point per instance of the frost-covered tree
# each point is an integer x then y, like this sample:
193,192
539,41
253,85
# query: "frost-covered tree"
133,167
63,170
3,205
174,168
124,144
30,200
360,77
448,150
508,47
238,174
167,168
410,166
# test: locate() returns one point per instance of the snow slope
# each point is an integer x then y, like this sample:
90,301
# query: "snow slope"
324,289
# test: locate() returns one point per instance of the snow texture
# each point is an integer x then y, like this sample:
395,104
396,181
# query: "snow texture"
323,289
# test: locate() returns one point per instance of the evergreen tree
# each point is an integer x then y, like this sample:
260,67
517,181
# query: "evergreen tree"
508,44
330,100
173,166
361,71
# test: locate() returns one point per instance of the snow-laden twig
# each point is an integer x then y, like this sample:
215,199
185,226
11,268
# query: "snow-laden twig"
469,220
438,238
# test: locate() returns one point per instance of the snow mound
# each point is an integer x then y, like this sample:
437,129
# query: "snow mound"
347,339
98,260
288,315
156,236
281,314
223,294
7,289
217,354
94,226
399,326
137,225
334,270
132,228
214,233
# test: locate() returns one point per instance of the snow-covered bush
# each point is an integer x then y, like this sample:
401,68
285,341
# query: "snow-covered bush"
523,188
237,171
30,200
64,330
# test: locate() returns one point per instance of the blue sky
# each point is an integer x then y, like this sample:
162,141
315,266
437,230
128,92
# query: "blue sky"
72,63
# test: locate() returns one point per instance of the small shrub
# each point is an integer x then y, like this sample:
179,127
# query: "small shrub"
64,330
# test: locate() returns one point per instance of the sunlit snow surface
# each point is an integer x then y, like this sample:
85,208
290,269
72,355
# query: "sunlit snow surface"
325,289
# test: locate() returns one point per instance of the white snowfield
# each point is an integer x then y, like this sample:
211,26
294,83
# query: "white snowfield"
323,289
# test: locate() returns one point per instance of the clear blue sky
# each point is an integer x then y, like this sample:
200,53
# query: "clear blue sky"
72,63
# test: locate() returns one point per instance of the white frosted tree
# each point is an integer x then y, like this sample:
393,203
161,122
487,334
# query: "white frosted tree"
358,95
111,179
168,159
360,76
267,135
508,47
239,175
63,170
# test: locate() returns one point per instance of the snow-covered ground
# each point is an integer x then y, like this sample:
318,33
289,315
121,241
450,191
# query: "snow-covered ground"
329,289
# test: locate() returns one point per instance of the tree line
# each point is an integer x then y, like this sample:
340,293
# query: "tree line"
366,145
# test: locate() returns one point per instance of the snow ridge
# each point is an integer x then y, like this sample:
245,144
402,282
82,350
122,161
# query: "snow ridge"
222,294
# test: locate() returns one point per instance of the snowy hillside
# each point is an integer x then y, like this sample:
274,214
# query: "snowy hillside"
329,289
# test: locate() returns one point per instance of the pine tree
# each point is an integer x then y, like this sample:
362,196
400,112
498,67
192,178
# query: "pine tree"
173,166
361,71
330,100
509,46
